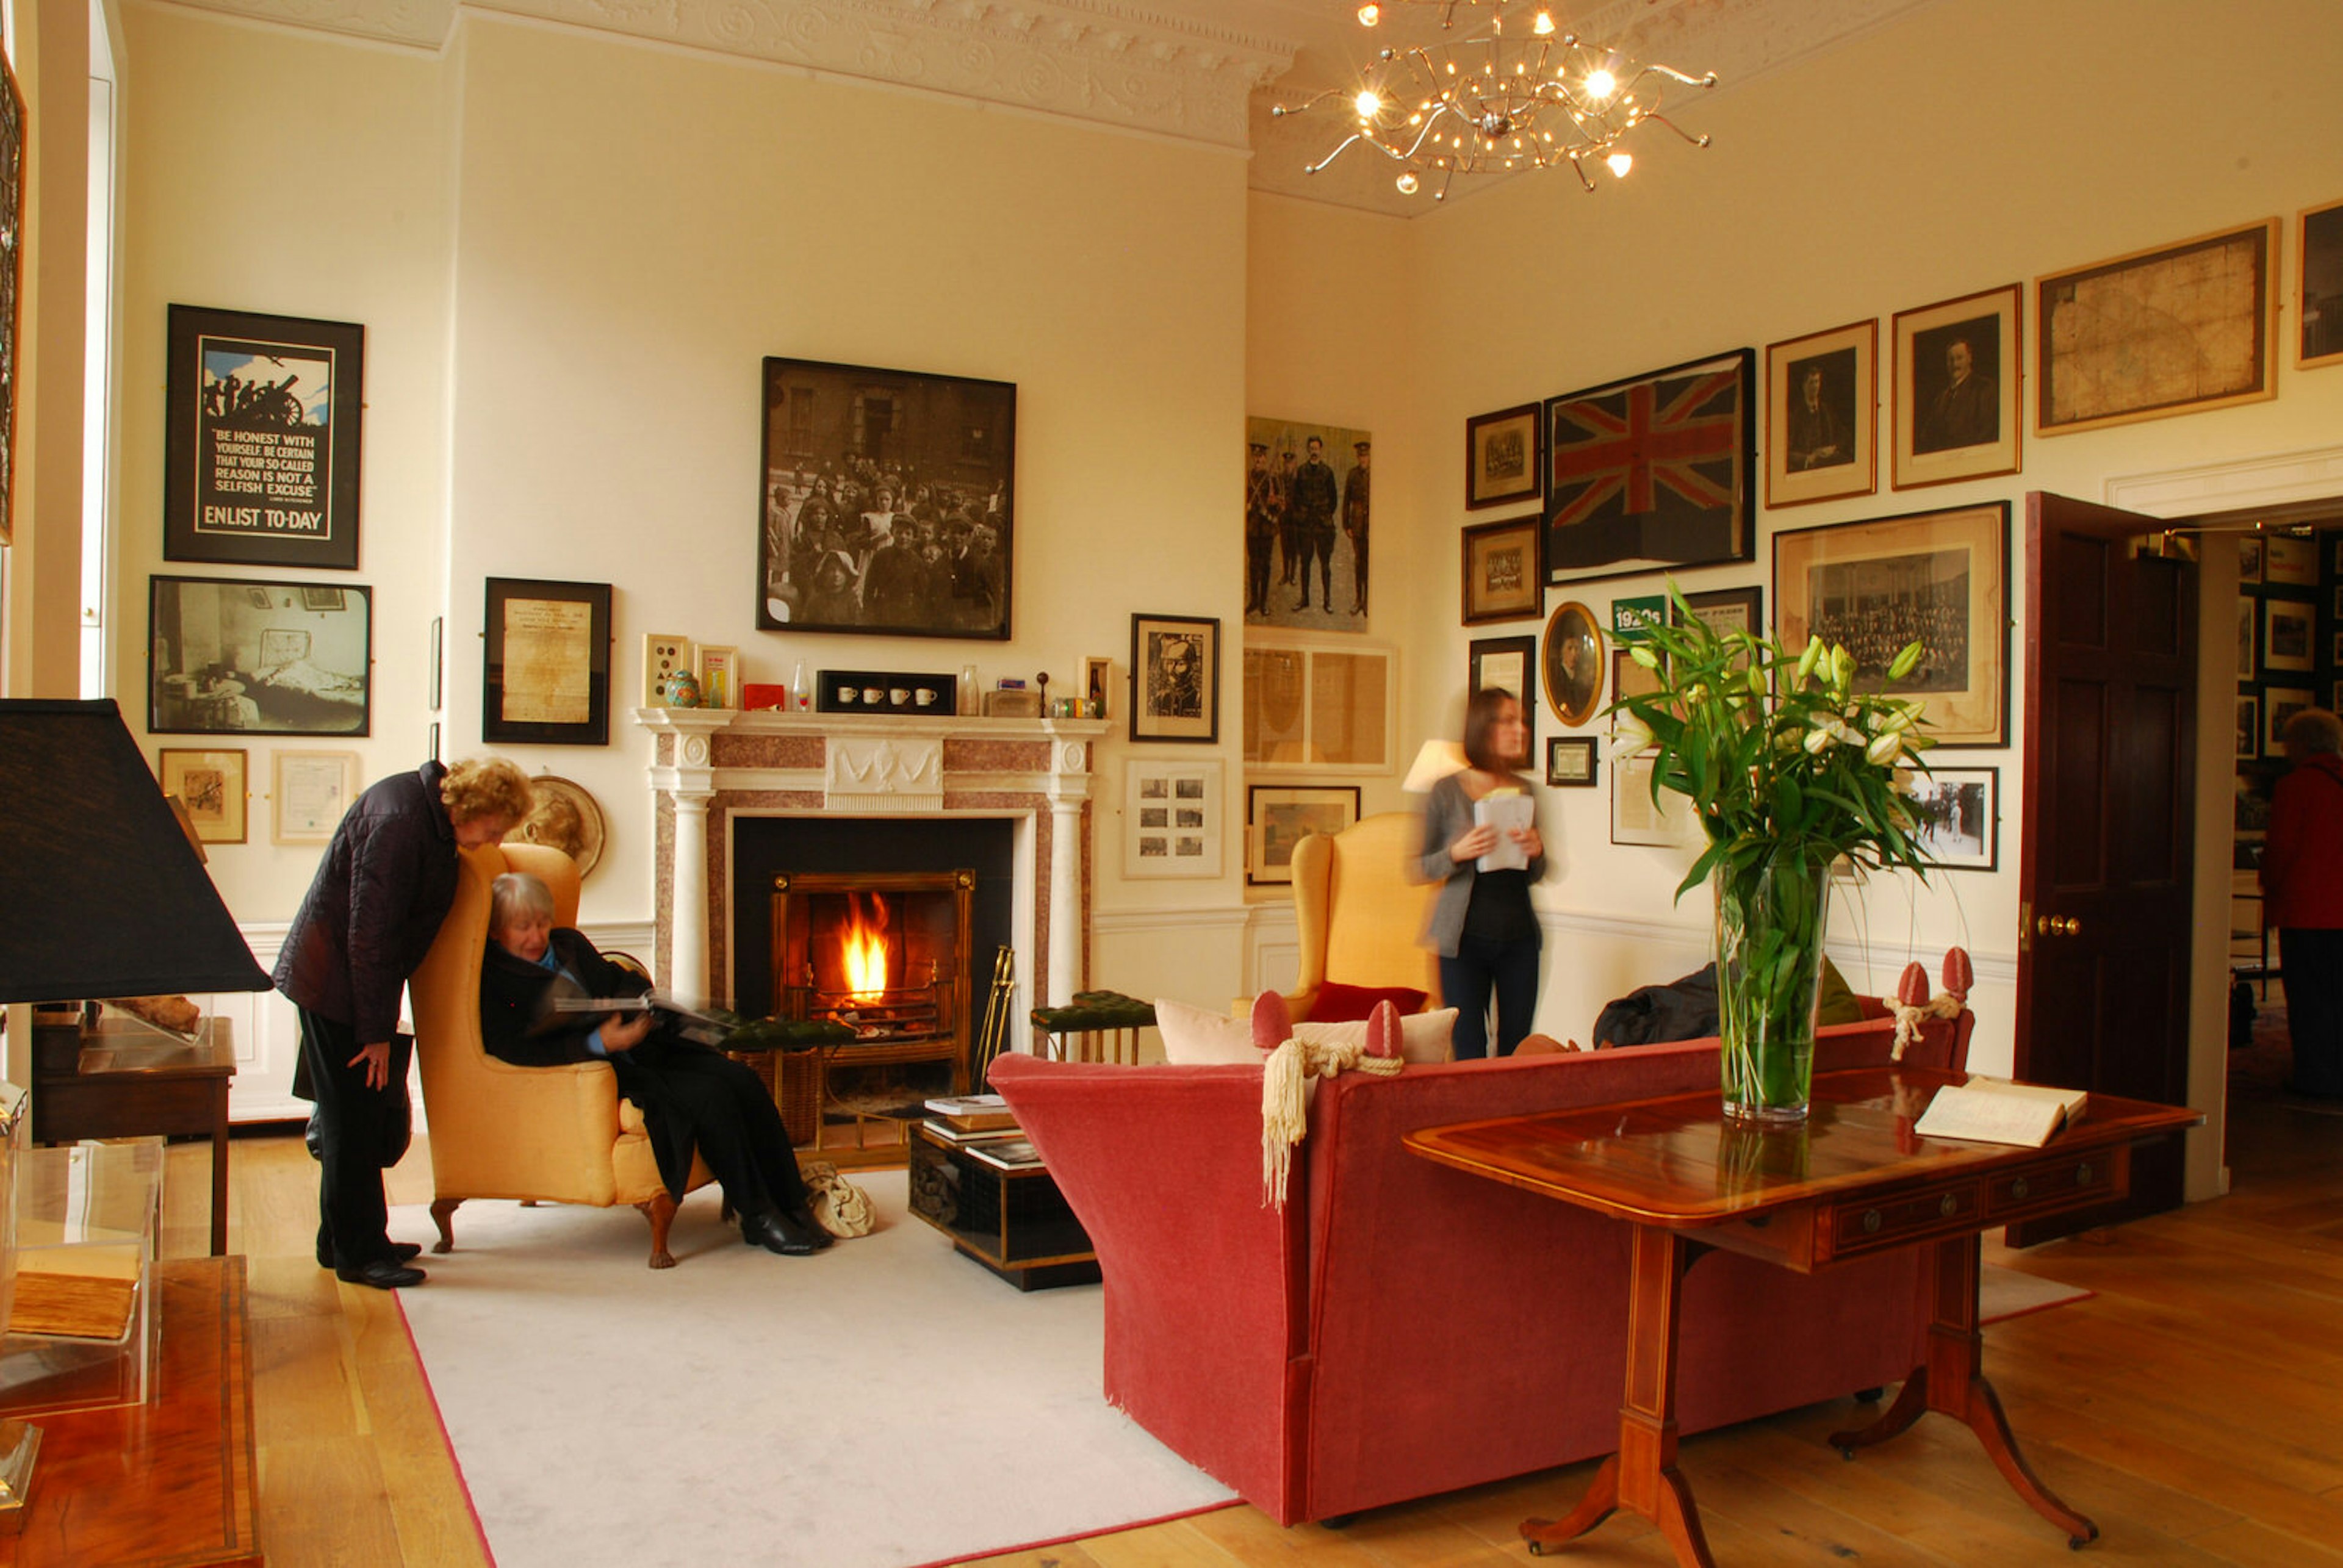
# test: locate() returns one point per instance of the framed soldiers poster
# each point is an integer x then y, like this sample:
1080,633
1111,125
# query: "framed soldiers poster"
886,503
1654,472
260,447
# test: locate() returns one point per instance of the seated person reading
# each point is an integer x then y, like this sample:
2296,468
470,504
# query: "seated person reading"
692,1096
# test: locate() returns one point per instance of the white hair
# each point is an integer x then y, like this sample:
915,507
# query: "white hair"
514,896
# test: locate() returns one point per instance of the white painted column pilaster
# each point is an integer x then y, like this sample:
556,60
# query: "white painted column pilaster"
1070,784
687,962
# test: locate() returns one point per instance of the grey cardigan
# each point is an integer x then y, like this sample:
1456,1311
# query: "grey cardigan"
1447,817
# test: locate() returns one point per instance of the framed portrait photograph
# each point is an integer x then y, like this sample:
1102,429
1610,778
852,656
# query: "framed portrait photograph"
1940,577
1320,707
887,504
2290,561
2319,286
1306,524
2249,558
261,437
2173,330
1173,815
1278,817
2249,727
1501,457
1503,579
1956,370
1822,404
718,673
2279,704
2249,638
1571,662
243,658
211,785
1175,679
2287,640
1509,664
1960,816
308,791
1571,762
1654,472
546,676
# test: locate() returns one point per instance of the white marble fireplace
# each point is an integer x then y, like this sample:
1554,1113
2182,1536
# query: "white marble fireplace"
714,767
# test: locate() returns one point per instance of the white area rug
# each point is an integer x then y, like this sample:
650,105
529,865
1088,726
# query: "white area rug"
882,1403
2004,1294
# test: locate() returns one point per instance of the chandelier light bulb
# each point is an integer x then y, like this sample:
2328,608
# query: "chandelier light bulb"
1370,13
1367,102
1601,83
1620,162
1408,183
1543,25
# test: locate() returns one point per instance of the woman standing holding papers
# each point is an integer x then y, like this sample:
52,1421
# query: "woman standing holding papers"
1481,843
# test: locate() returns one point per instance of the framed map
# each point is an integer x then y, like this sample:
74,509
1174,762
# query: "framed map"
2172,330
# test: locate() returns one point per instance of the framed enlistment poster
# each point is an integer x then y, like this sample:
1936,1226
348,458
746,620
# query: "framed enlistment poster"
887,502
1654,472
211,786
260,445
2173,330
547,677
1941,578
309,790
239,657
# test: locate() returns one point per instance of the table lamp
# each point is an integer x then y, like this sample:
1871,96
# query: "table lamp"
105,898
1436,761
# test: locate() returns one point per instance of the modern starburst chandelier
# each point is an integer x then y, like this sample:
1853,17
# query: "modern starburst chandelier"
1529,98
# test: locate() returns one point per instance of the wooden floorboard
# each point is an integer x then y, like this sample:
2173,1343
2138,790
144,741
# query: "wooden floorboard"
2194,1407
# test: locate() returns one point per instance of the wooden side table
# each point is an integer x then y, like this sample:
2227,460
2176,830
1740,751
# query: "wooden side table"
1855,1180
169,1481
132,1082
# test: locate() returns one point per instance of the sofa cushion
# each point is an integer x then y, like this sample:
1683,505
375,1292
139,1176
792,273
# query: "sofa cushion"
1423,1036
1195,1038
1338,1003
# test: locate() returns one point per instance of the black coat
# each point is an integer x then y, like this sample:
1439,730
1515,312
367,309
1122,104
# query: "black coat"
384,886
517,1025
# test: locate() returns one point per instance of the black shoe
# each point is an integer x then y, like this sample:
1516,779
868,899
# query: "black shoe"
776,1234
1301,603
383,1275
812,1227
400,1252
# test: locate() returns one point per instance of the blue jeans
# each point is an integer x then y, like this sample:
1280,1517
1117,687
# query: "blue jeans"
1466,980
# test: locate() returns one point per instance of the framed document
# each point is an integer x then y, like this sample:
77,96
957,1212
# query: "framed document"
309,792
547,675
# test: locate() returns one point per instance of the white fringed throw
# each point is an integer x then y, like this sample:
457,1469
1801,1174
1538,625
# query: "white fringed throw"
1284,1110
1908,1018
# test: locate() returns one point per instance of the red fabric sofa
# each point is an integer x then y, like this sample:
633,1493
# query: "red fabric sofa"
1400,1329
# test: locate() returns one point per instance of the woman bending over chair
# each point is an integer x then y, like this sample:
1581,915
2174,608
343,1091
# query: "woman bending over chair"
690,1096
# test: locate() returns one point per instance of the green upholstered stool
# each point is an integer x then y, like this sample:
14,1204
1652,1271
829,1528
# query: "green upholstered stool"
1096,1025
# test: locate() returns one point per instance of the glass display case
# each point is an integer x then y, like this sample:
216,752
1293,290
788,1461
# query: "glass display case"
82,1325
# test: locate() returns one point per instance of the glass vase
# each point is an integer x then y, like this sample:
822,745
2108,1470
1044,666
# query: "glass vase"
1769,958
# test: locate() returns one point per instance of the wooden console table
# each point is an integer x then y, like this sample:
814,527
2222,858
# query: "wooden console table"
168,1482
132,1082
1855,1180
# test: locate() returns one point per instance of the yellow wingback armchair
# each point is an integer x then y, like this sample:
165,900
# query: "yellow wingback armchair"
1359,913
551,1134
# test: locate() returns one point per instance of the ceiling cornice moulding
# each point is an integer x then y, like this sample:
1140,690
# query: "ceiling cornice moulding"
1107,62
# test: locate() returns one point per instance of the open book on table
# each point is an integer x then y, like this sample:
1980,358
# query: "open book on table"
1997,1111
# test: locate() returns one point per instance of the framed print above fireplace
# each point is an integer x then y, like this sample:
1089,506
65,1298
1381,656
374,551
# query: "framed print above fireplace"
885,502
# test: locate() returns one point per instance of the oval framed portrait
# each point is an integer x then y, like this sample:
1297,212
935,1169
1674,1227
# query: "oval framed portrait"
1571,662
565,816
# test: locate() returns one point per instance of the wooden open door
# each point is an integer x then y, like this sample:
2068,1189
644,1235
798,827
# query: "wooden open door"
2105,873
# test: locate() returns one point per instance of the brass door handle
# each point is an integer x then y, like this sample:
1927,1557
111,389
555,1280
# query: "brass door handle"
2057,925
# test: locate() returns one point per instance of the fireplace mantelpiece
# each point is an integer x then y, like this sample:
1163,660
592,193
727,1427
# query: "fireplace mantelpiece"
711,765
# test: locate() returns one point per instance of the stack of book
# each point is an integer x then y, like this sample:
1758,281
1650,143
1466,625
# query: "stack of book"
984,1126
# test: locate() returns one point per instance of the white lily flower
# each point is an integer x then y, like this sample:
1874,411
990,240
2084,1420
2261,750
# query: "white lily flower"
1632,738
1884,748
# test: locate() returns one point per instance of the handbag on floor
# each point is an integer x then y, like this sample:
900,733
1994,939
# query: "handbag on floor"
838,1206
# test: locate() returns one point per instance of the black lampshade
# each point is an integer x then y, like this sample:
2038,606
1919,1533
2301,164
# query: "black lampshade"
101,894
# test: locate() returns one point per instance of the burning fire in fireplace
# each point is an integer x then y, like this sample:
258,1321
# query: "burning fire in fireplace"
862,947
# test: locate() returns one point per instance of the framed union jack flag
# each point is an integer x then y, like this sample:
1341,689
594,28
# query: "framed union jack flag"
1653,473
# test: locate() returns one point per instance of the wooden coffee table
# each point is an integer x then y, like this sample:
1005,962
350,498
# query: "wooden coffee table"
1856,1181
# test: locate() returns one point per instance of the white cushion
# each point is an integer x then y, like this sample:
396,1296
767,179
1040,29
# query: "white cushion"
1195,1038
1423,1037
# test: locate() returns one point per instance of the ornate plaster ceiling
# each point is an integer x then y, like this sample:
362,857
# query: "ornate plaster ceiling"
1200,70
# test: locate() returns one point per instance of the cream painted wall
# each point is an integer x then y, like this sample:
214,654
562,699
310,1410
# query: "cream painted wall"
1866,180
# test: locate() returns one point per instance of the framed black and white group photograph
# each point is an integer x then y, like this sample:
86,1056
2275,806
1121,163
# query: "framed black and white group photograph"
1941,578
1960,816
1955,388
1500,456
886,504
245,658
1502,576
1175,679
1307,524
261,439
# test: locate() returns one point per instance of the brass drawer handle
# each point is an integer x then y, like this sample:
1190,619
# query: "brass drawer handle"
2083,1174
1871,1221
2019,1188
1948,1206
